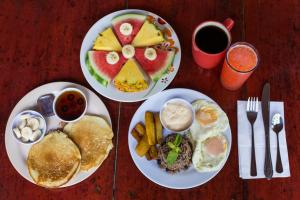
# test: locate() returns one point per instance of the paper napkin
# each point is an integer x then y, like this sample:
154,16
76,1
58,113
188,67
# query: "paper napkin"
244,142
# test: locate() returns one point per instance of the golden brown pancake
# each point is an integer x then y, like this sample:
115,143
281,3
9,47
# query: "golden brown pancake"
53,161
93,136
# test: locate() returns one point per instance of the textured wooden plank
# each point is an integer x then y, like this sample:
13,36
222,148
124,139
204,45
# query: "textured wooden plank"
274,28
40,43
184,16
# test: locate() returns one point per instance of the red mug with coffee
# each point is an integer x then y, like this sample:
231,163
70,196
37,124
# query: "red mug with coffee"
210,41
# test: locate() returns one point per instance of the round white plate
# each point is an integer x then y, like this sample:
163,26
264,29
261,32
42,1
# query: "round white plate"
18,152
110,91
186,178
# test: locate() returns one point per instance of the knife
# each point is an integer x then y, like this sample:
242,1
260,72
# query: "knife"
265,103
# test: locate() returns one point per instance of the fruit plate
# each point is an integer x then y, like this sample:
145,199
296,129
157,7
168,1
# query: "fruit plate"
17,153
187,178
110,91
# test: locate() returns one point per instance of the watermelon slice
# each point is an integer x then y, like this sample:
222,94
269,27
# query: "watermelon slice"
135,20
158,67
100,69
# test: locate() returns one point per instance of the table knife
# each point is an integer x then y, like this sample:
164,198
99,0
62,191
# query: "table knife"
265,104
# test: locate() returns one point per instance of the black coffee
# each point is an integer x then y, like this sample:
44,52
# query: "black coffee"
211,39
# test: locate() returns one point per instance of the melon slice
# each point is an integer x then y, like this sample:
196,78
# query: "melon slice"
107,41
135,20
100,69
131,78
148,35
158,67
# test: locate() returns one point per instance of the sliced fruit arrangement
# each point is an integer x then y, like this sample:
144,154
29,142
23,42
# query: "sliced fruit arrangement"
155,61
131,63
131,78
127,26
107,41
104,65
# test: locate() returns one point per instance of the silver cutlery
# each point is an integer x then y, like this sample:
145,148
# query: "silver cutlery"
277,125
252,110
265,105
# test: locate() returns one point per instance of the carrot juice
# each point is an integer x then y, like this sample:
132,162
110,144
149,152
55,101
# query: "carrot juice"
240,61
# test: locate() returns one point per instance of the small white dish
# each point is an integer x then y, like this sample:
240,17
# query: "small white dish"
183,102
34,114
69,90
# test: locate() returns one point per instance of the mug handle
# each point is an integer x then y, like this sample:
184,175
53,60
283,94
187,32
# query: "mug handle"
228,23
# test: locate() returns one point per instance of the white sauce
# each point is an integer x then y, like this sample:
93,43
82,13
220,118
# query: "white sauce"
176,116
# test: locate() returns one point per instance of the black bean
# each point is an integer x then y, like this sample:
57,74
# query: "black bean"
64,108
70,97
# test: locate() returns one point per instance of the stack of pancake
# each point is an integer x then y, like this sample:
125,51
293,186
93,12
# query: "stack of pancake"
82,145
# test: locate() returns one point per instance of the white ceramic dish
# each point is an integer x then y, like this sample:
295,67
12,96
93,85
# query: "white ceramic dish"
17,152
184,179
184,102
68,90
110,91
17,121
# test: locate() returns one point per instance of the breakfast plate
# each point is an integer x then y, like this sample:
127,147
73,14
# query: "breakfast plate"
109,67
18,152
187,177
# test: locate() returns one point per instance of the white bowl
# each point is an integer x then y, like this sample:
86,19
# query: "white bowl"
32,113
184,102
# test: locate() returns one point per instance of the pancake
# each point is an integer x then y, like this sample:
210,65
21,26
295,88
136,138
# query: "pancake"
93,136
53,161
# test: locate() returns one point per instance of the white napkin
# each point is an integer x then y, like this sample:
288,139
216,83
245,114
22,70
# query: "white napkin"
244,142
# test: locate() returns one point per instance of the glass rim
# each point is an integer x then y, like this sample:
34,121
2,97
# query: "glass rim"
245,44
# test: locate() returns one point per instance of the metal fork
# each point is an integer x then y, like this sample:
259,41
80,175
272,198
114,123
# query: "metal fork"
252,110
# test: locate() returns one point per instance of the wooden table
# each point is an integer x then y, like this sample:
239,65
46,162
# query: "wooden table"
40,43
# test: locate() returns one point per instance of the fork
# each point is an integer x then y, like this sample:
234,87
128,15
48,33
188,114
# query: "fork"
252,110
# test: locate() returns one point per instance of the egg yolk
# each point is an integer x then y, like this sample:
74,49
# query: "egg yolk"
214,146
206,116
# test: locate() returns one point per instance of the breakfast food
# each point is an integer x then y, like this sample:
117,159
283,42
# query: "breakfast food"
205,148
175,157
155,61
29,128
93,136
208,117
53,161
107,41
140,54
104,66
131,78
210,153
149,35
148,137
176,115
127,26
150,128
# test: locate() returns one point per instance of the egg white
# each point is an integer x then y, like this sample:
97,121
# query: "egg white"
199,131
202,161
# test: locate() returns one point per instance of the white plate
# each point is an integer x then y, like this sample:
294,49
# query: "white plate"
184,179
17,152
110,91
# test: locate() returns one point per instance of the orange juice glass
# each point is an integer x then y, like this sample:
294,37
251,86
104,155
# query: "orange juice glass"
240,62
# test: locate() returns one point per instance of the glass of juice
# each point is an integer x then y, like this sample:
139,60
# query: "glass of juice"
240,62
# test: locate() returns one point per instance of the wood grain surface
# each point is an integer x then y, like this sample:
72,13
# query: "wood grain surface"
40,43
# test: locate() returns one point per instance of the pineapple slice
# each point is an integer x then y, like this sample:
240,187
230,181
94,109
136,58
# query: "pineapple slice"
107,41
131,78
148,35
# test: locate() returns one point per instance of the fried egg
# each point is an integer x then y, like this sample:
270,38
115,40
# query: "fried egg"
210,153
208,117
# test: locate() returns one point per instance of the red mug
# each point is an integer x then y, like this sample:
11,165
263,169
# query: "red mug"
209,60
